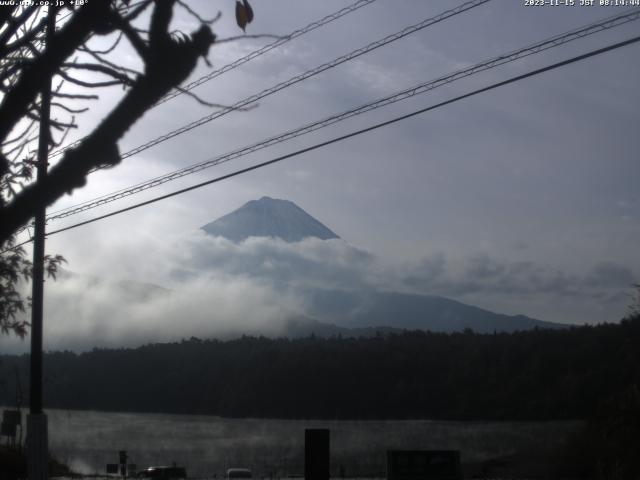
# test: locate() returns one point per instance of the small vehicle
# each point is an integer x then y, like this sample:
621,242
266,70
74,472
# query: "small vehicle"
233,473
163,472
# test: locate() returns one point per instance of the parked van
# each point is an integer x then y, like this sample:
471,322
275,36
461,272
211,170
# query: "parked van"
165,473
234,473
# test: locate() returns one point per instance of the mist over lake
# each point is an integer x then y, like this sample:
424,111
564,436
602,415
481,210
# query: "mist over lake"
208,445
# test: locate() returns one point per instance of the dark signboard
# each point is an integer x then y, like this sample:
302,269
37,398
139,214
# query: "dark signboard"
12,417
10,421
423,465
8,429
113,468
316,454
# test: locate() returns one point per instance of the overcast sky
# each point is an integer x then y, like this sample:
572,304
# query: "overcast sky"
520,200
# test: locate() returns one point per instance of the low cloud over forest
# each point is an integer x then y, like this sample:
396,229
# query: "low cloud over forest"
207,286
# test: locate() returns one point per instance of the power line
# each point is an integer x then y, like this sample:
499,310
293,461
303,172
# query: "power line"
250,56
39,42
355,133
261,51
308,74
609,22
344,137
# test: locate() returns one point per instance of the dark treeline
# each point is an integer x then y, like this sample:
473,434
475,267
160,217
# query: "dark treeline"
534,375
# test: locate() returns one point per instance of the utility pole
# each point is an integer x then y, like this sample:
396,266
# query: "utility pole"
37,434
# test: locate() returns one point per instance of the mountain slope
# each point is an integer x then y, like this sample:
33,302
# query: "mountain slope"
353,308
358,309
268,217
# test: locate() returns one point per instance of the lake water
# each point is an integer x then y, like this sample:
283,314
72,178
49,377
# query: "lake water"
208,445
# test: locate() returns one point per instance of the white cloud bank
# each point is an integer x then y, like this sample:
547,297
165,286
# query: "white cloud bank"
210,287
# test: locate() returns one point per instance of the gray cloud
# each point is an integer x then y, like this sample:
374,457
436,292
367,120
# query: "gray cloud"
312,262
610,275
82,312
426,272
200,286
484,267
481,274
540,176
210,287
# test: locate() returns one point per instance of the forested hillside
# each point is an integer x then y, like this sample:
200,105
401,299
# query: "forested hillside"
540,374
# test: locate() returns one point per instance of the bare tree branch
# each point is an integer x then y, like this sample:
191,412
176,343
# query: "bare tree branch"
90,18
242,37
195,14
57,143
15,23
26,39
101,69
112,65
82,83
134,39
76,96
69,109
26,62
108,50
21,135
167,64
141,7
214,105
61,126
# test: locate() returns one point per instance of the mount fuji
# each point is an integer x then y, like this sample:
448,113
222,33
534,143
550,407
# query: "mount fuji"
269,217
358,307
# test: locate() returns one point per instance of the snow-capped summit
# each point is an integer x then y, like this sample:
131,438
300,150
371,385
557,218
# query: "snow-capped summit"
269,217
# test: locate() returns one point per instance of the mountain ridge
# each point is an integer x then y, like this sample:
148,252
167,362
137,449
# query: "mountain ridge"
269,217
407,311
330,311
